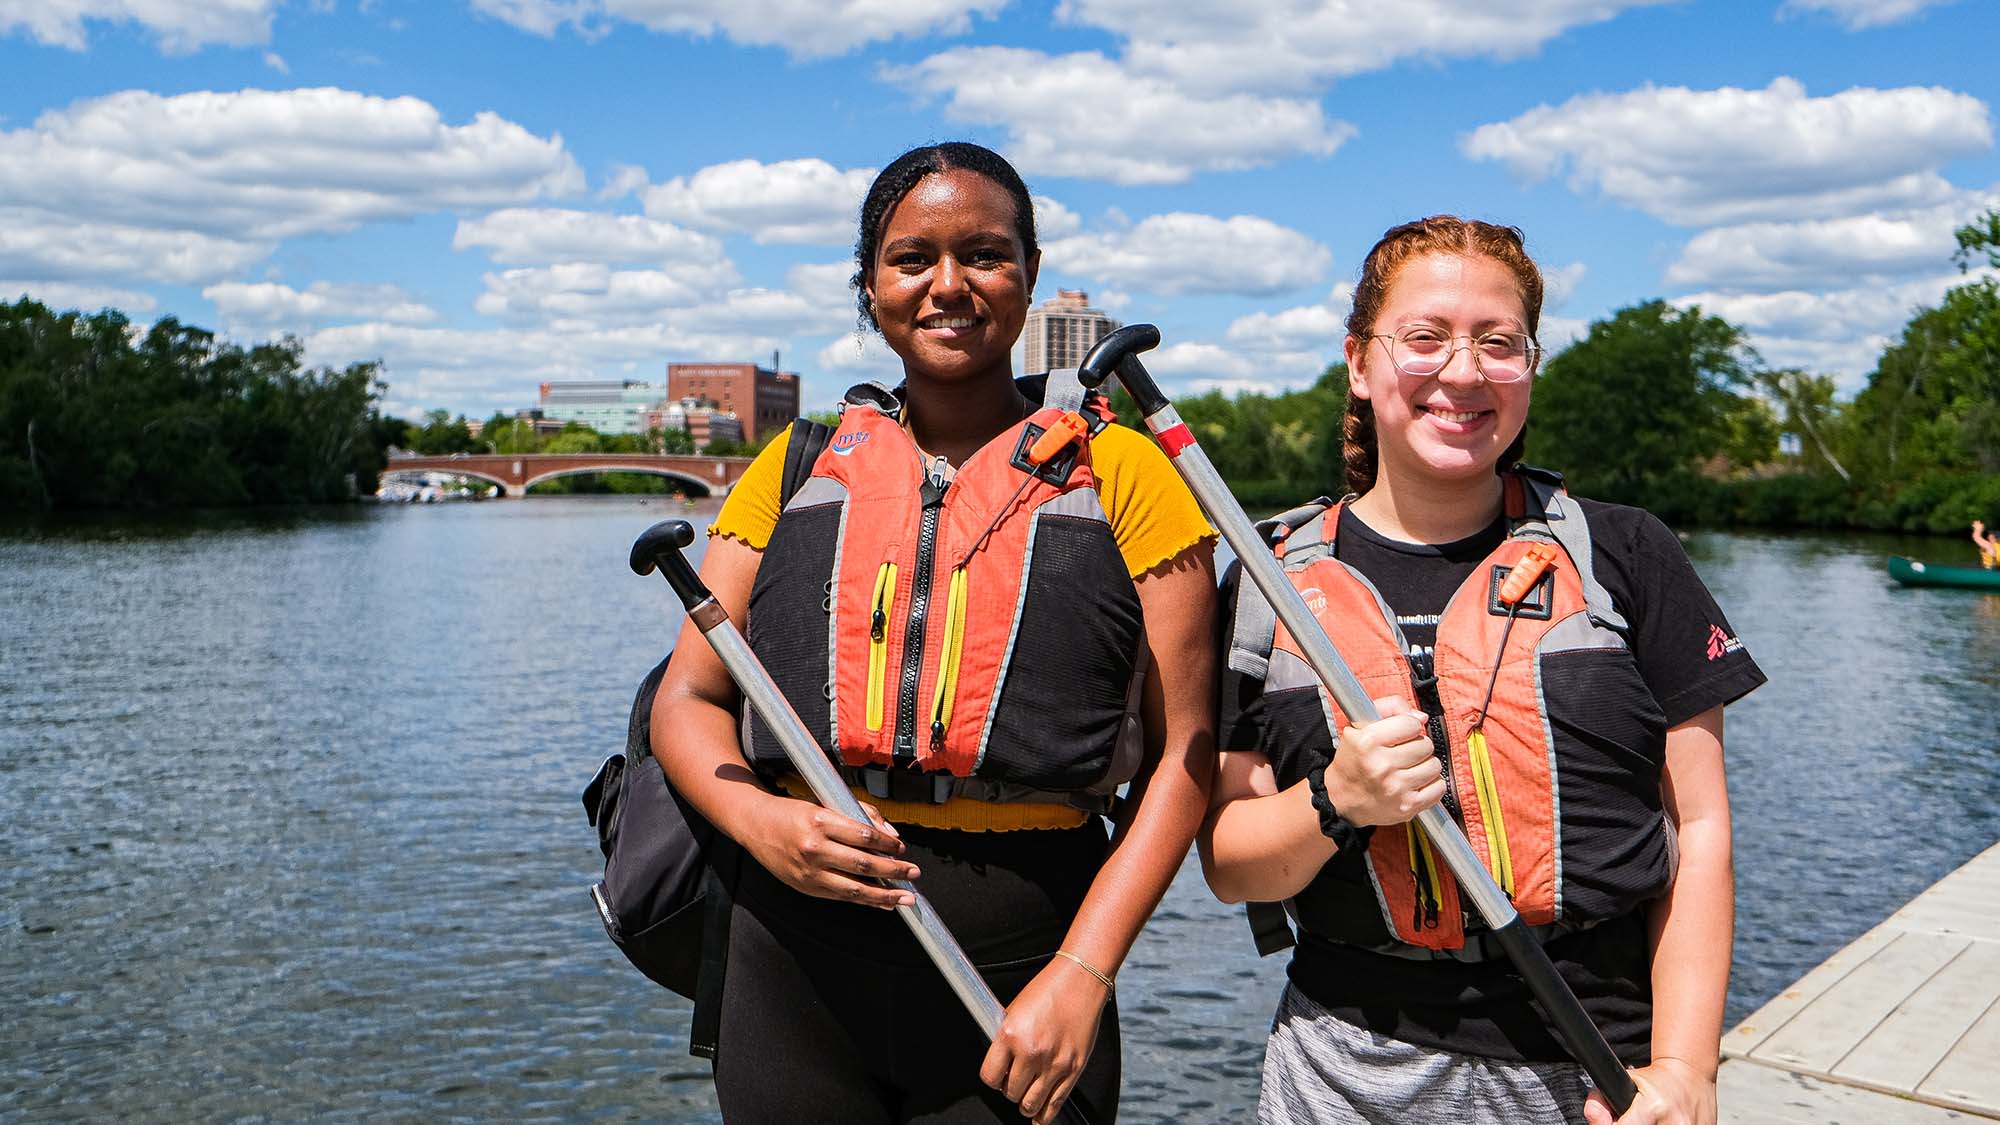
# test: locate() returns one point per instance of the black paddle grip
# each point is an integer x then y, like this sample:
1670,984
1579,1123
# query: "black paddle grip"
1119,352
659,546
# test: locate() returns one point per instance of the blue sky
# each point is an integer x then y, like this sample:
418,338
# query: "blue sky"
485,194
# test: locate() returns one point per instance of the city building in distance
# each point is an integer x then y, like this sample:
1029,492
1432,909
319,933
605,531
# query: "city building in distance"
1060,332
704,421
607,406
764,399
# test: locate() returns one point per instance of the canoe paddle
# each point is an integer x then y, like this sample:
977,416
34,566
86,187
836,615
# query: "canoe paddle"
659,547
1119,352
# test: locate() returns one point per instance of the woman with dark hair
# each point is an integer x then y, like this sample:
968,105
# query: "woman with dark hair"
994,611
1549,668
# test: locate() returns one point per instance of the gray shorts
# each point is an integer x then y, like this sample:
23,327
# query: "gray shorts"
1322,1070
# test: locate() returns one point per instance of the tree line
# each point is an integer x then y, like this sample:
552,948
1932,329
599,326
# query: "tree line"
1659,406
96,413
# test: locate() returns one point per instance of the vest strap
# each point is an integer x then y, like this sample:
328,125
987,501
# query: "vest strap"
1255,624
916,787
1063,391
1270,926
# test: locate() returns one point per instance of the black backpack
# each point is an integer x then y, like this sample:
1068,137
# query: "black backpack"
665,898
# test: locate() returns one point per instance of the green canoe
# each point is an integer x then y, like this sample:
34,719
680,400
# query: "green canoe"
1912,573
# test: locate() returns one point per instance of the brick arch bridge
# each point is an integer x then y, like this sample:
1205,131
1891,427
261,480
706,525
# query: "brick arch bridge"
515,473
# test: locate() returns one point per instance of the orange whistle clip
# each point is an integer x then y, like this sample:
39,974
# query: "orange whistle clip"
1064,430
1526,573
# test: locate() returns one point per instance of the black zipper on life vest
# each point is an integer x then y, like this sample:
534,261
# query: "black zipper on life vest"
1423,863
932,494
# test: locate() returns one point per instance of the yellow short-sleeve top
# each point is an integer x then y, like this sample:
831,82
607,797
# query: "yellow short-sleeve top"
1153,519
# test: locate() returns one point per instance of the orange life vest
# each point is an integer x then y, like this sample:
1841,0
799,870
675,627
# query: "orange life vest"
976,626
1555,779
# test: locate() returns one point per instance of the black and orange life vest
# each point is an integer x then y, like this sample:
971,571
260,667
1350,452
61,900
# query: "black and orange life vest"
977,627
1555,779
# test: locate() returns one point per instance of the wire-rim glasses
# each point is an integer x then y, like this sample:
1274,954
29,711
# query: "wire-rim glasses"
1421,351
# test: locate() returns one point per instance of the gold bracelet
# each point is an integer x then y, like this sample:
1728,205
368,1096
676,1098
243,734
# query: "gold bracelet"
1089,968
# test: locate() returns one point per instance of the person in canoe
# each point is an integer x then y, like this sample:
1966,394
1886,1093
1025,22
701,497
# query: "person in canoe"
1989,547
1549,668
988,646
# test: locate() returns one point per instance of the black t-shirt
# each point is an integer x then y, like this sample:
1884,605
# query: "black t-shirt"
1691,662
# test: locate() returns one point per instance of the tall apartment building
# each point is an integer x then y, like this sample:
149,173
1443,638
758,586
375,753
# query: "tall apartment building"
607,406
764,400
1060,332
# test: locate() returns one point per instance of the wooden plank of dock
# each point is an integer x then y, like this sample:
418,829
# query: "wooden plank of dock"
1902,1027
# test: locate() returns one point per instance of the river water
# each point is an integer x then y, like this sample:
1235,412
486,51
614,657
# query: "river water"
290,827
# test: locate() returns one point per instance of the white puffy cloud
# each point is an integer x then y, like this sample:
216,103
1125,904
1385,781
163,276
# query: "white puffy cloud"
268,164
1316,328
1858,15
1233,45
543,235
36,243
791,201
1763,256
1089,116
857,357
63,295
1181,252
180,25
270,305
1840,332
1703,157
805,28
696,299
586,293
1560,284
624,180
1053,220
1197,367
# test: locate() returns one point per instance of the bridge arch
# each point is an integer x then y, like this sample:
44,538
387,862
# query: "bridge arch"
692,485
428,470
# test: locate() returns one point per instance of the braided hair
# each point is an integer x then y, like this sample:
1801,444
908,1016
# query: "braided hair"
1439,234
904,173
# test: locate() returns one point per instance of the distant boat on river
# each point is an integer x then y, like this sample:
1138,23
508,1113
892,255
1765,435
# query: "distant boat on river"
1913,573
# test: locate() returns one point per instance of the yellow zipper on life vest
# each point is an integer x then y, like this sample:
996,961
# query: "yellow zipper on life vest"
1486,790
878,641
954,648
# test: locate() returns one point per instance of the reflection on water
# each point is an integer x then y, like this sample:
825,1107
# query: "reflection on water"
289,806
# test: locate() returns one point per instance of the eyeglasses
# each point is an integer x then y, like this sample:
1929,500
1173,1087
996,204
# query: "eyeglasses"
1421,351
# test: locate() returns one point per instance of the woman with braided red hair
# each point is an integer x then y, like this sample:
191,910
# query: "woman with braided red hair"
1549,668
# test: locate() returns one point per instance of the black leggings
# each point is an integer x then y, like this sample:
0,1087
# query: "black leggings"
831,1012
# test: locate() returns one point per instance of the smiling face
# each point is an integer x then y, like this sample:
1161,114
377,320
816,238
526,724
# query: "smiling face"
1454,425
950,282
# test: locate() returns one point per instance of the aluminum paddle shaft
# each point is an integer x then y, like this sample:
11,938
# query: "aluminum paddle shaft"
1118,352
660,547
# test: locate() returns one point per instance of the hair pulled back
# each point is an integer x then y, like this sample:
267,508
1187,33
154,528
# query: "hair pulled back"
1439,234
905,172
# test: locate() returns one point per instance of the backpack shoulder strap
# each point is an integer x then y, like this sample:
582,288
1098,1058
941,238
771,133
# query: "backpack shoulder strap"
1063,391
1547,501
1253,623
802,449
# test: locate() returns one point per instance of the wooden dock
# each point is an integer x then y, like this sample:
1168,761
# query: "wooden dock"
1900,1028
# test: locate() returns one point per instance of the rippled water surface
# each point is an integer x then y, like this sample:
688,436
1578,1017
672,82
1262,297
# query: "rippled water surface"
289,816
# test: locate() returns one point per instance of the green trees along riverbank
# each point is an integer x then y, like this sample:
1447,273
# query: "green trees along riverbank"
1657,405
95,413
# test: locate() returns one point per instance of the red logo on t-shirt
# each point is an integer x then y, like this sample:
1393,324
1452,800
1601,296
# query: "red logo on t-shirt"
1721,644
